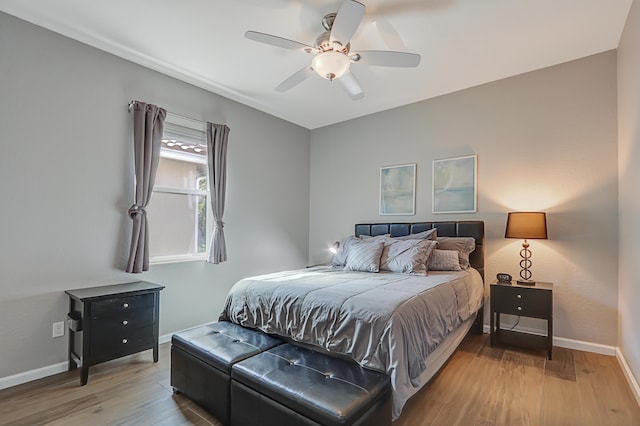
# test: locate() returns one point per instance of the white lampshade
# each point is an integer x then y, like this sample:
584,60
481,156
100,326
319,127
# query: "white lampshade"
330,65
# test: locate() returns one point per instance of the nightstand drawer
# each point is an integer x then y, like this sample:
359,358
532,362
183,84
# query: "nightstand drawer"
117,307
126,320
117,344
521,301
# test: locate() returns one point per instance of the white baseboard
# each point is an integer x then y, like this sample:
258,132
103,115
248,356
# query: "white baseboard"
562,342
633,382
50,370
165,338
27,376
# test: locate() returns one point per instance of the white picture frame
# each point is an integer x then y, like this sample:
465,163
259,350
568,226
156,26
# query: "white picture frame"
455,185
398,190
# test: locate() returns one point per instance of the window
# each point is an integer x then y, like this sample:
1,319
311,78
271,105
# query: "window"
179,208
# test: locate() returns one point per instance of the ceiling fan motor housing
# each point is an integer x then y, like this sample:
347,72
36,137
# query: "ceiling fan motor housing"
323,44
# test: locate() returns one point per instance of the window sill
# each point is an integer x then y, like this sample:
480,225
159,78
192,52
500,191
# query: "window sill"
160,260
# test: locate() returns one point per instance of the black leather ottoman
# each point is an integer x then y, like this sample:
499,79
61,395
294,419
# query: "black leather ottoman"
290,385
201,360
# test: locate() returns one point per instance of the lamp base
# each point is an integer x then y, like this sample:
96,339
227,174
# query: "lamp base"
526,282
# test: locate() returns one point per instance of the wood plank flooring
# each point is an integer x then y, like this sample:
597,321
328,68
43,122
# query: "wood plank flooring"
479,385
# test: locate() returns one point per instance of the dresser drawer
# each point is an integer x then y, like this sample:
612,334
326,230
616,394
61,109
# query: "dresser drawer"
125,320
115,308
116,344
521,301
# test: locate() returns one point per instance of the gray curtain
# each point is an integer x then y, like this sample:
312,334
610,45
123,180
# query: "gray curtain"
148,123
217,140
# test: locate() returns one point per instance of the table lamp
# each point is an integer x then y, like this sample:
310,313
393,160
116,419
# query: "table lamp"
526,225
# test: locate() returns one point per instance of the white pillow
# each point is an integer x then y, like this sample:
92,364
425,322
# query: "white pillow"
364,256
406,256
444,260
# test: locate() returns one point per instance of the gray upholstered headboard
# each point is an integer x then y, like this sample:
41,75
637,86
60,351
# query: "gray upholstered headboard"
471,228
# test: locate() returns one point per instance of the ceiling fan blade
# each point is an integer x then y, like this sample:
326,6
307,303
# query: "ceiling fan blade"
351,85
285,43
386,58
346,22
295,79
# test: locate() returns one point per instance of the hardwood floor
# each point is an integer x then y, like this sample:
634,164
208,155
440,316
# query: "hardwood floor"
479,385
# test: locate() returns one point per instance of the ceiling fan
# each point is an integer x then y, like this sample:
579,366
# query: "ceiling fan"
332,50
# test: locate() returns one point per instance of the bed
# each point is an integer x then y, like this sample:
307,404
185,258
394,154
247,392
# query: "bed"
406,325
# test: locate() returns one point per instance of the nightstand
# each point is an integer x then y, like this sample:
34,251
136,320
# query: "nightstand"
526,301
110,322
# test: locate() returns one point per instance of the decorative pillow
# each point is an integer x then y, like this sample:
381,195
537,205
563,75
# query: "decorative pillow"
406,256
429,234
444,260
340,258
364,256
463,245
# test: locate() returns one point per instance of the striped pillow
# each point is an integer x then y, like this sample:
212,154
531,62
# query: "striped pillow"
340,258
364,256
444,260
431,234
406,256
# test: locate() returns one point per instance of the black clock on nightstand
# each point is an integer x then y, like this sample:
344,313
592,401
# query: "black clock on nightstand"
526,301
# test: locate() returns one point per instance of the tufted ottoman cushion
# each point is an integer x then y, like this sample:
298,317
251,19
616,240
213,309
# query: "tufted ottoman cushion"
290,385
201,360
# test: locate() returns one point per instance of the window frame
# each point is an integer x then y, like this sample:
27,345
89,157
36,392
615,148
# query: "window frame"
175,155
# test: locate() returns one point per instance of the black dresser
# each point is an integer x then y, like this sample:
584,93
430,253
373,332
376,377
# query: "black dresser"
110,322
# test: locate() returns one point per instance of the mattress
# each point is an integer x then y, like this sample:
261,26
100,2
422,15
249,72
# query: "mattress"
384,321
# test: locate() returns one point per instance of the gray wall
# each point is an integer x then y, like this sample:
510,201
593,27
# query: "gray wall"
546,140
66,183
629,191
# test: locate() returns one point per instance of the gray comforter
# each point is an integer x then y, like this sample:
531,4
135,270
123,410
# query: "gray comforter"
385,321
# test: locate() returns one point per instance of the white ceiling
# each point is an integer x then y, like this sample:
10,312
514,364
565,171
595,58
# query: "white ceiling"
463,43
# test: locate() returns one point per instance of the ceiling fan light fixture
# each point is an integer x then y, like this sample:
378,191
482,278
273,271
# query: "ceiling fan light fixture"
330,65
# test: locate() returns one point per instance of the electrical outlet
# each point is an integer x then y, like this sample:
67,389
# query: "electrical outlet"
58,329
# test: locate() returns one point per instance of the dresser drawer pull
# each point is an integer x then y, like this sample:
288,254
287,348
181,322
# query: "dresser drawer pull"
125,322
125,305
519,308
518,296
124,340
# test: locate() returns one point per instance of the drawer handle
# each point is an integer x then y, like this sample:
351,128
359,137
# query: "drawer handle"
519,308
124,340
125,322
518,296
125,305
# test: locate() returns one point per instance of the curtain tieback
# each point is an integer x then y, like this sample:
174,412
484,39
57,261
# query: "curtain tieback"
219,224
136,209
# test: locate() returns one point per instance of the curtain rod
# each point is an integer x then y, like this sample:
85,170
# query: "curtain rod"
175,115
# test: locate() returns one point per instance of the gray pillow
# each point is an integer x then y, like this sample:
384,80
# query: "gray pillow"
444,260
406,256
364,255
463,245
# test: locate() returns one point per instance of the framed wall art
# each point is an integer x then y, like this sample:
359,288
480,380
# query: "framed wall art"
454,185
398,190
